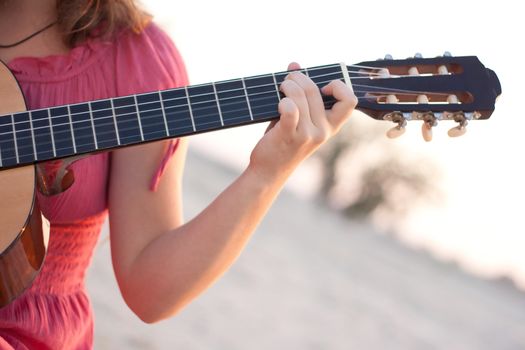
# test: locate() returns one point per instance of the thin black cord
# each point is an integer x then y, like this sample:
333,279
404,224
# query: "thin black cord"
29,37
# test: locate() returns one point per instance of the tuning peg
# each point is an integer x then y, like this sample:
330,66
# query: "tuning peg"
457,131
422,99
442,70
392,99
447,54
397,118
426,131
388,57
429,121
383,73
418,55
413,71
461,129
452,99
395,132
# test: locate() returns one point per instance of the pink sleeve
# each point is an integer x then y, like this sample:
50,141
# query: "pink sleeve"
149,62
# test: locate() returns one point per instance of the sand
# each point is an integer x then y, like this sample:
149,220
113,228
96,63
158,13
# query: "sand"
310,279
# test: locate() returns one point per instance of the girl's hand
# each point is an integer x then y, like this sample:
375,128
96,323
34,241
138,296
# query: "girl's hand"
303,126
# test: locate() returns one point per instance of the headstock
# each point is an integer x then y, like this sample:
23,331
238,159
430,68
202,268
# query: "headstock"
427,89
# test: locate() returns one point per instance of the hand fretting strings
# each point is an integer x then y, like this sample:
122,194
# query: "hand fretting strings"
362,91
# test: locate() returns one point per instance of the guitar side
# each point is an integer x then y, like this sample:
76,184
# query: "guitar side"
24,231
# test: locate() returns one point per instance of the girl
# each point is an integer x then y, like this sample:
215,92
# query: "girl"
68,51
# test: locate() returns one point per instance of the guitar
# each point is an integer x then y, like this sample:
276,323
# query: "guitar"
427,89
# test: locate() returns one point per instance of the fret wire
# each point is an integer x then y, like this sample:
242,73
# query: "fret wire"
218,105
115,120
244,88
93,125
14,138
306,72
158,109
163,109
189,107
247,99
30,116
276,87
51,132
160,100
264,105
177,98
138,117
71,127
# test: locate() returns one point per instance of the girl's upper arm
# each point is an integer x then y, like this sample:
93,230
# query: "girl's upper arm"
137,215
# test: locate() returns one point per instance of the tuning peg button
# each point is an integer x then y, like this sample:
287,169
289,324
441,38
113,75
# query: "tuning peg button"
395,132
400,128
388,57
426,131
457,131
418,55
429,121
447,54
461,129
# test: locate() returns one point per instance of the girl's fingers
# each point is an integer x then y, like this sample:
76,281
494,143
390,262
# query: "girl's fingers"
289,117
313,97
293,91
294,66
346,102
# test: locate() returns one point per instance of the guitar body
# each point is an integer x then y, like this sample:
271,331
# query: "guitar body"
24,231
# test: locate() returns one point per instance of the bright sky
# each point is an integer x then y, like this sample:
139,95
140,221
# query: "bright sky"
481,225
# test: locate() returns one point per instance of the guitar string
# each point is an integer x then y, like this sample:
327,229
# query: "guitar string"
376,94
379,90
156,116
273,84
121,130
271,94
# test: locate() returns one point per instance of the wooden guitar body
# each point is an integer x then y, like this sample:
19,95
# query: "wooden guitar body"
23,230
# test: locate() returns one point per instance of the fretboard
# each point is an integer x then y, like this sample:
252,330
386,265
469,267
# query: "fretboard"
63,131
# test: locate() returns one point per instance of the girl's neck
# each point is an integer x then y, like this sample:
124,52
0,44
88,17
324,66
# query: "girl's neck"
21,18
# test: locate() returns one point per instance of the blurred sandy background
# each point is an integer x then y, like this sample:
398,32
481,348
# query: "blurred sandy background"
311,279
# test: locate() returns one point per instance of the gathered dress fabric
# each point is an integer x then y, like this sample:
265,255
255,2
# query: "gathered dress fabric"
55,311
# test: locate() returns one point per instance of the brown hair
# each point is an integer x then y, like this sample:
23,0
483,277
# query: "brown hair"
78,18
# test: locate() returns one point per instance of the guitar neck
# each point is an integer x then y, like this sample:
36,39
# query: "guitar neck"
57,132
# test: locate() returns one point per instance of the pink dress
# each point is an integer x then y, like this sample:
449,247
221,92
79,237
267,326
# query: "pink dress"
55,312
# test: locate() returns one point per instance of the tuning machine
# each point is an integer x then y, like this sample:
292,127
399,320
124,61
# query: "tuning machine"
398,130
462,119
399,118
430,120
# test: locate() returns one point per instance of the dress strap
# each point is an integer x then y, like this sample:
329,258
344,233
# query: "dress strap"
173,145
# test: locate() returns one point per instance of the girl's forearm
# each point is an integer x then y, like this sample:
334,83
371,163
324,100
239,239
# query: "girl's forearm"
194,255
